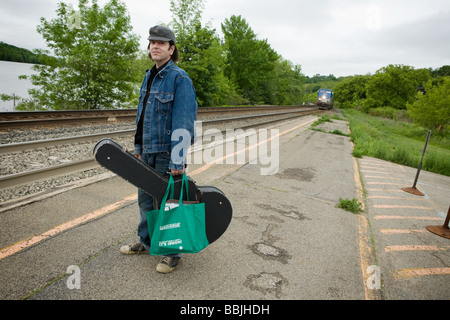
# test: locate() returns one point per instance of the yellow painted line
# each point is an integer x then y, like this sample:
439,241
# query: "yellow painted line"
393,206
412,248
380,172
386,190
374,162
367,163
365,253
419,272
365,250
383,217
26,243
385,183
209,165
402,231
399,198
370,167
382,177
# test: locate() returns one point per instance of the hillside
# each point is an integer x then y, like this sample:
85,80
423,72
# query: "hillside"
12,53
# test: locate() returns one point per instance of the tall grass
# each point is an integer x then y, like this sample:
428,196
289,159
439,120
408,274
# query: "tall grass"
398,142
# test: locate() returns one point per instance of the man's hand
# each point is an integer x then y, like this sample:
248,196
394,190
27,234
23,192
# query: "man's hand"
176,172
138,156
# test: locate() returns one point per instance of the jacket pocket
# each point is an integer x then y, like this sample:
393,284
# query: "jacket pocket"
164,102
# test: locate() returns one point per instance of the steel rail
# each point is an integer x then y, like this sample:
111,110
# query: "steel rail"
255,116
38,122
37,118
23,115
16,115
21,146
28,177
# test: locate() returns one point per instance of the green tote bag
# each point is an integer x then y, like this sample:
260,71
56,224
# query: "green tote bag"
177,227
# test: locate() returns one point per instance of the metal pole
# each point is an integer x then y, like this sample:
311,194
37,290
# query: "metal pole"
444,230
413,189
421,161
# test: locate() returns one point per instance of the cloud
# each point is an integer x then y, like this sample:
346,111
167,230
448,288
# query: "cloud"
422,43
342,37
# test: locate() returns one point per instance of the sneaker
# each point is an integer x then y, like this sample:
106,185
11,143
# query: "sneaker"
167,264
136,248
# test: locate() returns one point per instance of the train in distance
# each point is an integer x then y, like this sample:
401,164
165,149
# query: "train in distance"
325,99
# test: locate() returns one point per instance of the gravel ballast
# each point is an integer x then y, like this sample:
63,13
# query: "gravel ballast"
27,160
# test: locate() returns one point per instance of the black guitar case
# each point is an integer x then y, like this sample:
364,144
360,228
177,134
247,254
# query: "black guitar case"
218,210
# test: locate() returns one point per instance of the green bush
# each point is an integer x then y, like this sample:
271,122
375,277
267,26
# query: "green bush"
398,142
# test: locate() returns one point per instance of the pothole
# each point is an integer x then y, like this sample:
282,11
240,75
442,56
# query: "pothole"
269,252
266,283
289,211
306,174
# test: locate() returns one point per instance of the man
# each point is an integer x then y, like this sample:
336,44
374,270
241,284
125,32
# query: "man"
167,102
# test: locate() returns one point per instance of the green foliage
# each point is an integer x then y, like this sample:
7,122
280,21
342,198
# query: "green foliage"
432,109
394,86
322,119
389,112
288,88
443,71
93,51
351,92
398,142
262,76
250,62
201,54
317,78
12,53
7,97
352,205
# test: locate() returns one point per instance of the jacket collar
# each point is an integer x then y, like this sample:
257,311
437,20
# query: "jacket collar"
164,71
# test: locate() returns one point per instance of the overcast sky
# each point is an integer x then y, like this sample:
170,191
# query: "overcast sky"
340,37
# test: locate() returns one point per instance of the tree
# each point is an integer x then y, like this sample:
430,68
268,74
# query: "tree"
93,52
250,62
288,83
351,91
201,54
394,86
432,109
12,53
443,71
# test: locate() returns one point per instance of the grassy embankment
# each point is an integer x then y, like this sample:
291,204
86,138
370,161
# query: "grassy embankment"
397,141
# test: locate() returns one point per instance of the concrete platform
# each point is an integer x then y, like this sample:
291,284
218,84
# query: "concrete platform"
287,239
414,263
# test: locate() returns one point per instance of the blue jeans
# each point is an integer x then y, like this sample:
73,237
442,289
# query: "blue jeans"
160,162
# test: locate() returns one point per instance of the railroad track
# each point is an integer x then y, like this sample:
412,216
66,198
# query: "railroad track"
32,176
19,119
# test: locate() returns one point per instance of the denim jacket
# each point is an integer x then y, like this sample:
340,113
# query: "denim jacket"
172,105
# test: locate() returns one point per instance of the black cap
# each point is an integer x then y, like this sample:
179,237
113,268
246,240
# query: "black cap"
161,33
